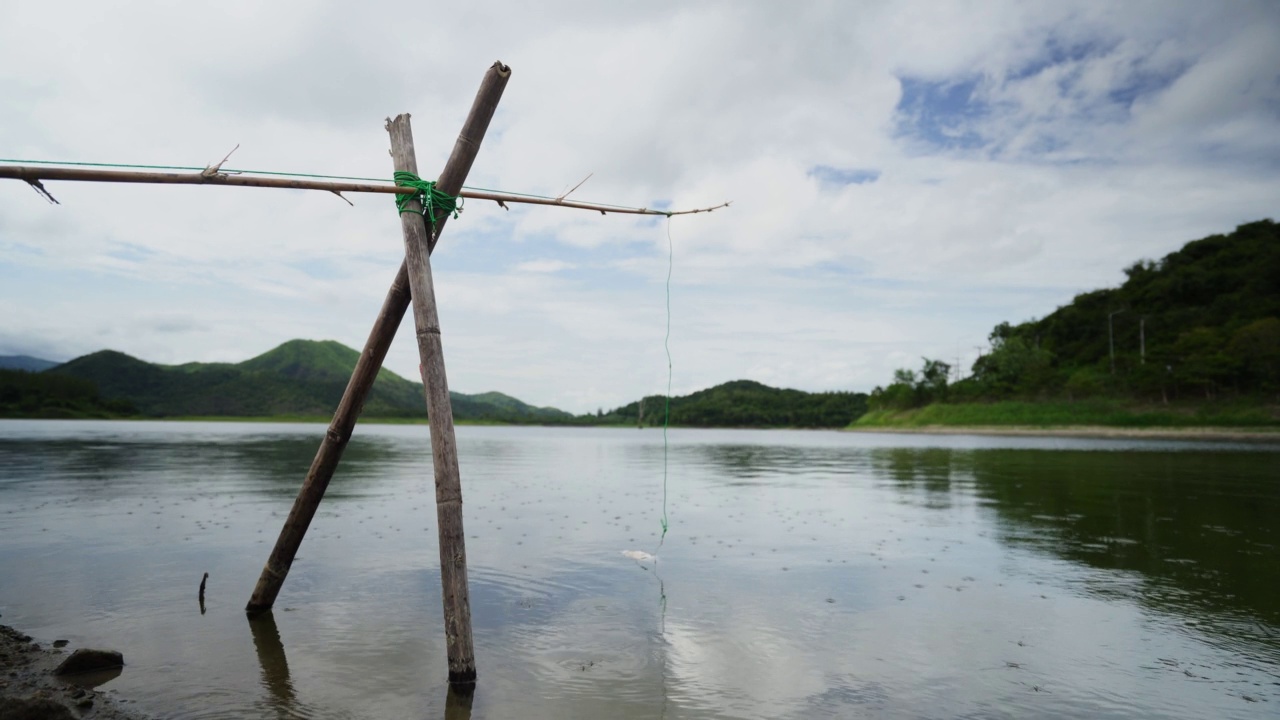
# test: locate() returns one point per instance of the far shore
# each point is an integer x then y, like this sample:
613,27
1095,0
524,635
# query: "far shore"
1227,434
1263,434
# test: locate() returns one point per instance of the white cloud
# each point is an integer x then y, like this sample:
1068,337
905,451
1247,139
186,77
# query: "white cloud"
1095,134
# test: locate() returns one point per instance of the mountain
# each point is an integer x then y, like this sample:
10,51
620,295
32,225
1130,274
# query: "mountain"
746,403
307,377
25,362
300,377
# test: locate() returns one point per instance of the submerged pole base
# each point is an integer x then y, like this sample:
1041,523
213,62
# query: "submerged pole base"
464,677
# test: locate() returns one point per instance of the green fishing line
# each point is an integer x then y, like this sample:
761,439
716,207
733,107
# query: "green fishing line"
242,171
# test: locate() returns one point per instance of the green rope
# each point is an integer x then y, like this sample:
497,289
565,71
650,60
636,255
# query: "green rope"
433,201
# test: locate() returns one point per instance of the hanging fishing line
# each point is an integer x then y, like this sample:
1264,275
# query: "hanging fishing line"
666,416
666,449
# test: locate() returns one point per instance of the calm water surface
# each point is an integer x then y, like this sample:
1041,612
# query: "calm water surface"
805,575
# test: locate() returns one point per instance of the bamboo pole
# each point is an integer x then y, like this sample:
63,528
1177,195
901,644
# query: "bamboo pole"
366,371
34,174
335,442
444,450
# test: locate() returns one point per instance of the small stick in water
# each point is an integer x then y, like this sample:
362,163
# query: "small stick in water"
203,580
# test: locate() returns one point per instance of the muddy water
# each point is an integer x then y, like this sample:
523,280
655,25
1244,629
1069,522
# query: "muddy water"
805,574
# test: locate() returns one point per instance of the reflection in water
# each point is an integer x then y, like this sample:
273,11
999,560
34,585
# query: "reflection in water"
1197,528
805,574
93,679
457,704
282,698
274,665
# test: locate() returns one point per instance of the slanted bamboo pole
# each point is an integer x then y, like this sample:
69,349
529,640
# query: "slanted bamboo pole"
444,448
375,351
34,174
332,446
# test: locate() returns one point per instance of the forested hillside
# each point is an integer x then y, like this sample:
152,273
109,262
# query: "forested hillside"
26,394
745,403
1200,324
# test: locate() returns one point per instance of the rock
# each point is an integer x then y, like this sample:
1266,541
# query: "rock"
85,703
33,709
88,660
59,643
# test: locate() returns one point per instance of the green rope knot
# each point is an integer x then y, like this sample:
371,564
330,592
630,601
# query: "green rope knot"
433,200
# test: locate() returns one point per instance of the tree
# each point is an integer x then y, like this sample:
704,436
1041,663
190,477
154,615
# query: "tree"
910,389
1013,365
1256,347
1202,364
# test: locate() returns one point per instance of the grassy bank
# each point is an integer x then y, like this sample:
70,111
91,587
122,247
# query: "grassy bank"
1093,413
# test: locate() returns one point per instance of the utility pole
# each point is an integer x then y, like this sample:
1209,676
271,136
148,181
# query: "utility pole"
1111,338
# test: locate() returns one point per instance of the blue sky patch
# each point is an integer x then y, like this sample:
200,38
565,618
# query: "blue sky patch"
1146,82
941,113
828,175
1057,52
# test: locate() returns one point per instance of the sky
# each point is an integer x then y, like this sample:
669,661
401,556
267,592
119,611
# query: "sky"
904,176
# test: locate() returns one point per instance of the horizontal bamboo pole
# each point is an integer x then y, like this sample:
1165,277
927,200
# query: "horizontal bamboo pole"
34,174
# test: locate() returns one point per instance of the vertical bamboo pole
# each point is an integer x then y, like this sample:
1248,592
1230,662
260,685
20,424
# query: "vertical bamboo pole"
375,351
444,451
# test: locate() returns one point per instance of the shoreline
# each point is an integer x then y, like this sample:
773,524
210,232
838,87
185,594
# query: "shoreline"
29,689
1224,434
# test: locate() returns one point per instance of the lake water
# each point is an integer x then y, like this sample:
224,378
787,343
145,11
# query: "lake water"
806,574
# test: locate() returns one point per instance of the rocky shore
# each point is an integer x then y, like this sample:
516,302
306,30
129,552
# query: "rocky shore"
31,689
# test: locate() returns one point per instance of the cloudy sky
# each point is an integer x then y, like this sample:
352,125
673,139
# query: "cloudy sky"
904,176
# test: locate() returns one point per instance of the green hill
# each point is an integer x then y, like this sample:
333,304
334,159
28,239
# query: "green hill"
300,377
746,403
47,395
1200,327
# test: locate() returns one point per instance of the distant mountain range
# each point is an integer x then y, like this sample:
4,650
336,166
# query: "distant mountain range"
25,362
307,378
300,377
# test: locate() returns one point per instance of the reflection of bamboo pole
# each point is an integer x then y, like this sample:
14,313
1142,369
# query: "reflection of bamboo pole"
444,447
375,351
33,174
457,704
272,661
